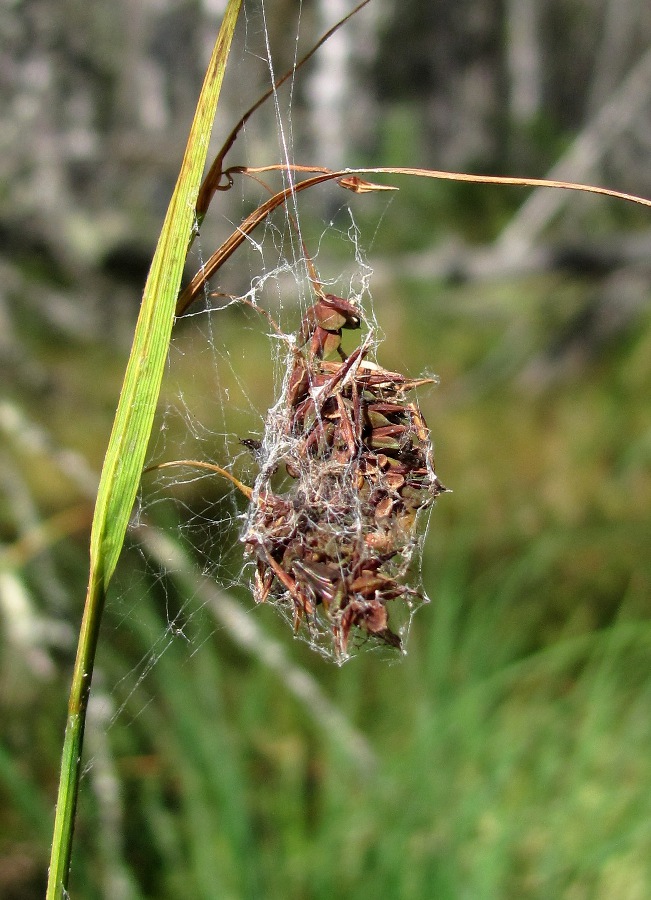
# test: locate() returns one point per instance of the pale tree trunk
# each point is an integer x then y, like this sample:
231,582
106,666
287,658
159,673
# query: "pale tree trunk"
338,104
524,61
621,21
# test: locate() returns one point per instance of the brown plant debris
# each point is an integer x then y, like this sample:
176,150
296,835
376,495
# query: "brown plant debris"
333,544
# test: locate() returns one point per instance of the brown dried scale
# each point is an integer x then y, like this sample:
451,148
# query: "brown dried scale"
333,545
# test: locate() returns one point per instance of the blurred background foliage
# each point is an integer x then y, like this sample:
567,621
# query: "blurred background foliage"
509,754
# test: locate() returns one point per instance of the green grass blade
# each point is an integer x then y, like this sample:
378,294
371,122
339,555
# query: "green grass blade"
133,421
130,436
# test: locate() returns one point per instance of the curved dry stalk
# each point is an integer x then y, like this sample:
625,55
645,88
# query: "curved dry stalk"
350,179
199,464
361,188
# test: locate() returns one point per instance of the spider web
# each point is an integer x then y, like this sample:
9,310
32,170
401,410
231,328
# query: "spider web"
228,399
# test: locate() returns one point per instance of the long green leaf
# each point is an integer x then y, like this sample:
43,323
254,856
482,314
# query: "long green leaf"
133,421
130,436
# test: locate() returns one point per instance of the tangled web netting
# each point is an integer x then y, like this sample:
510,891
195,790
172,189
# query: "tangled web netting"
334,543
342,475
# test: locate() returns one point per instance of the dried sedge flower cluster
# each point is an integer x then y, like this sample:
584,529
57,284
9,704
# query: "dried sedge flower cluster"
333,546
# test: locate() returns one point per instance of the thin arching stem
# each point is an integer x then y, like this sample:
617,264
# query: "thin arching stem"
351,180
212,467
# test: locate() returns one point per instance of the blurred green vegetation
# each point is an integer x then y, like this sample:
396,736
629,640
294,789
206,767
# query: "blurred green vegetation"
512,744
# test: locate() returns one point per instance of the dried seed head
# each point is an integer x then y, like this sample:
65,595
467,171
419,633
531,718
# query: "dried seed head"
333,546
